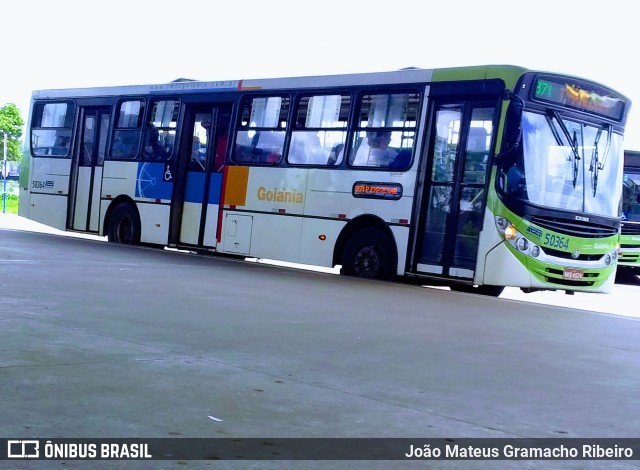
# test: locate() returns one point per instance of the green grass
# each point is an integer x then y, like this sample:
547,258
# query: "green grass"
11,203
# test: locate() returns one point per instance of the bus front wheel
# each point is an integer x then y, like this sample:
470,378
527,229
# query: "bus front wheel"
124,225
369,254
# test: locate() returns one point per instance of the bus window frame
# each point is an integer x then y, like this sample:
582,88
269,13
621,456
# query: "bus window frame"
149,129
297,127
135,147
355,127
240,128
65,131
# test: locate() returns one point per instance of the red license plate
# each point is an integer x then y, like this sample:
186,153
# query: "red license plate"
572,274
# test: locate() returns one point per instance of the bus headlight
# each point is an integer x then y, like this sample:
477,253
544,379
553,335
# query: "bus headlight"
515,239
607,259
506,228
502,223
522,244
510,232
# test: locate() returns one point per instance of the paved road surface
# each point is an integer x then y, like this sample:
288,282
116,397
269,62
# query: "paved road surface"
101,340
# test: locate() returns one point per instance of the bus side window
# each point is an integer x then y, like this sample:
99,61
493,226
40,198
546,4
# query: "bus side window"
477,154
51,126
385,130
262,129
124,144
61,146
126,135
161,129
155,147
320,131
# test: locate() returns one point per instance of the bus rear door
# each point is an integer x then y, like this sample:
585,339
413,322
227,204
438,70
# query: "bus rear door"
206,129
86,172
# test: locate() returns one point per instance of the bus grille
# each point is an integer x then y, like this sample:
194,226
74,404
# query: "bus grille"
629,257
554,276
630,229
574,227
568,255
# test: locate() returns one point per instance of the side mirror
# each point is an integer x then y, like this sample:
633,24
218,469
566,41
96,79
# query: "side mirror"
513,127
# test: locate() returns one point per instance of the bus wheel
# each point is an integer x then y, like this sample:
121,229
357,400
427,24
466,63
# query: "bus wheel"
124,225
492,291
369,254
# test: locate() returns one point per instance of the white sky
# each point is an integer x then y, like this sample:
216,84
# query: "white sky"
71,43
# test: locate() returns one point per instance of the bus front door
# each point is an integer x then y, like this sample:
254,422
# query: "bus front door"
208,132
453,206
86,173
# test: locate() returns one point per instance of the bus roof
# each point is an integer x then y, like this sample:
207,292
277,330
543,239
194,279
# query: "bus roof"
508,73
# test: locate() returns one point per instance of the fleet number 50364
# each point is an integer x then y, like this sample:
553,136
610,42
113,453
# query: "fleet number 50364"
556,242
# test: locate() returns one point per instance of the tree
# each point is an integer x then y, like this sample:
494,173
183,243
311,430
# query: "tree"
11,123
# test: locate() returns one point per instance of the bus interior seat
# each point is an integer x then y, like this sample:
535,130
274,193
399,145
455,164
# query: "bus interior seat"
402,160
335,153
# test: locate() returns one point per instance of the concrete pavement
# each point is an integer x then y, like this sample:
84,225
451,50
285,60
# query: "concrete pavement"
102,340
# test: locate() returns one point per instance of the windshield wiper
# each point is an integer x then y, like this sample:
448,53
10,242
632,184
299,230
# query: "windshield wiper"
596,165
573,142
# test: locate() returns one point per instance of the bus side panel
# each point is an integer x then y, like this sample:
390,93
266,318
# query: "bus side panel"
49,191
501,268
314,250
154,220
275,199
118,178
48,209
276,237
401,235
330,196
25,174
489,240
135,179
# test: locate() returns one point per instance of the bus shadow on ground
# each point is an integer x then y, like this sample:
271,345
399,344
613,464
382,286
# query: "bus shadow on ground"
625,277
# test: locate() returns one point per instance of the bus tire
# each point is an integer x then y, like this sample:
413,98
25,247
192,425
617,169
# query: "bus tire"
124,225
369,254
492,291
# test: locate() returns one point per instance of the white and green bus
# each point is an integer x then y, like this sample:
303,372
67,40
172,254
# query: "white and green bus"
630,231
474,177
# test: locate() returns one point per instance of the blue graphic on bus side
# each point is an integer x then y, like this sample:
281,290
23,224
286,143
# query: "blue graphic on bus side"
195,188
151,182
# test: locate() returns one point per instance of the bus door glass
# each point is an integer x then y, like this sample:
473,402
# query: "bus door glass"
87,169
455,190
208,132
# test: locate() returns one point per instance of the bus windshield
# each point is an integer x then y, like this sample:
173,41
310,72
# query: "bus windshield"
631,196
567,165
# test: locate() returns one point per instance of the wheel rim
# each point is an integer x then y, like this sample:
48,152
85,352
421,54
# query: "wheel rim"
125,231
368,262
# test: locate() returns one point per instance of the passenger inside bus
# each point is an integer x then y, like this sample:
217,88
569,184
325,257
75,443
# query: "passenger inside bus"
402,160
61,145
154,148
374,150
306,149
124,144
198,154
